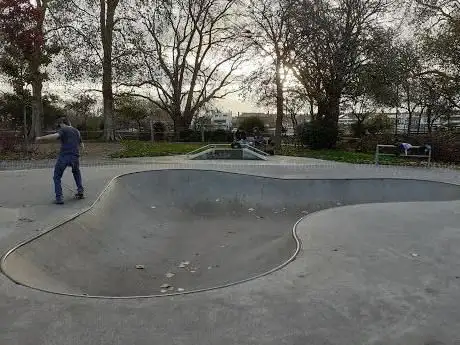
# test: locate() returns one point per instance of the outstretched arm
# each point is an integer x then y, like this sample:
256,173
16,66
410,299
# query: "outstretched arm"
53,136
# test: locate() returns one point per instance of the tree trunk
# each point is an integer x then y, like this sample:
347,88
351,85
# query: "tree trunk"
328,115
428,119
409,110
37,77
312,107
419,121
24,124
294,121
180,125
37,107
279,106
409,123
107,14
109,133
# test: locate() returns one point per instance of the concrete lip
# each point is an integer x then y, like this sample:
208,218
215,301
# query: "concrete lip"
174,231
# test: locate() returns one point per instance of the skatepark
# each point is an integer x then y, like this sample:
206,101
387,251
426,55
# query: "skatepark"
281,251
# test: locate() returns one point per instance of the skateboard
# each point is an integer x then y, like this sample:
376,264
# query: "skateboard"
76,196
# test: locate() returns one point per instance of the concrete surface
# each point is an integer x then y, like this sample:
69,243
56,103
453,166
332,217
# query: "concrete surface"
383,273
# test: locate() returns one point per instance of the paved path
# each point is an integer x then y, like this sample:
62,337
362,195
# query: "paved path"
366,274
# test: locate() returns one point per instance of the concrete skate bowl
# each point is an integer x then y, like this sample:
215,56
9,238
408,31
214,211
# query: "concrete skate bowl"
193,230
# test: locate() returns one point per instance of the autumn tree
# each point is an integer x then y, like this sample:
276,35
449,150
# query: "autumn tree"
190,52
28,48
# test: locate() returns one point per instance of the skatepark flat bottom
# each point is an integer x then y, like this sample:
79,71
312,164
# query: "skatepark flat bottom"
165,231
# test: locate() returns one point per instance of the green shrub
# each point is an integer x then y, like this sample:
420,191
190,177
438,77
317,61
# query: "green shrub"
219,136
250,122
358,129
159,130
379,123
189,135
318,134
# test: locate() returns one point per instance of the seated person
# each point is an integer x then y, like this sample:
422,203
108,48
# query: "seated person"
405,147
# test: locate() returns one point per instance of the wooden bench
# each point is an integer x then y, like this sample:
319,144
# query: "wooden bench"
379,146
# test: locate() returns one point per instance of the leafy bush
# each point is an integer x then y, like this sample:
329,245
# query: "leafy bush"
358,129
91,135
318,134
159,130
8,142
250,122
219,136
379,123
189,135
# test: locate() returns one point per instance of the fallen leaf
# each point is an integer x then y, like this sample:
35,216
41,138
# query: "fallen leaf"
184,264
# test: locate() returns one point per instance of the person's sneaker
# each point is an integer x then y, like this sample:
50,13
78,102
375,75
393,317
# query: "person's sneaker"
59,202
79,195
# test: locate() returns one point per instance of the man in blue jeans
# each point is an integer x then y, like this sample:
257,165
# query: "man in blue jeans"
69,155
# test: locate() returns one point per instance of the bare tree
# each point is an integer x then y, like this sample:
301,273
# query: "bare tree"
95,34
267,30
83,107
190,51
330,42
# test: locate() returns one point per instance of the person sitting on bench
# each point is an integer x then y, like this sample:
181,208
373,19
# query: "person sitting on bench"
405,147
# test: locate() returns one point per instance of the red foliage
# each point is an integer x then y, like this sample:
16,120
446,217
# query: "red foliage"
19,25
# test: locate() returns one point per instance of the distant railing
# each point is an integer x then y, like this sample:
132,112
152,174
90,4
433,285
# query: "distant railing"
206,147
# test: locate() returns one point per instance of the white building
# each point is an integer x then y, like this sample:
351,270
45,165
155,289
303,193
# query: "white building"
221,120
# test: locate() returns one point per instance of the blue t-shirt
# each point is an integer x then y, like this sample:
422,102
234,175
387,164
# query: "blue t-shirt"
70,141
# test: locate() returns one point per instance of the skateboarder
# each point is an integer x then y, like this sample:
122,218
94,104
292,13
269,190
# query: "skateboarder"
69,155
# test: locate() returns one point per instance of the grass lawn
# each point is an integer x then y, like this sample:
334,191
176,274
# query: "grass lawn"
345,156
134,148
